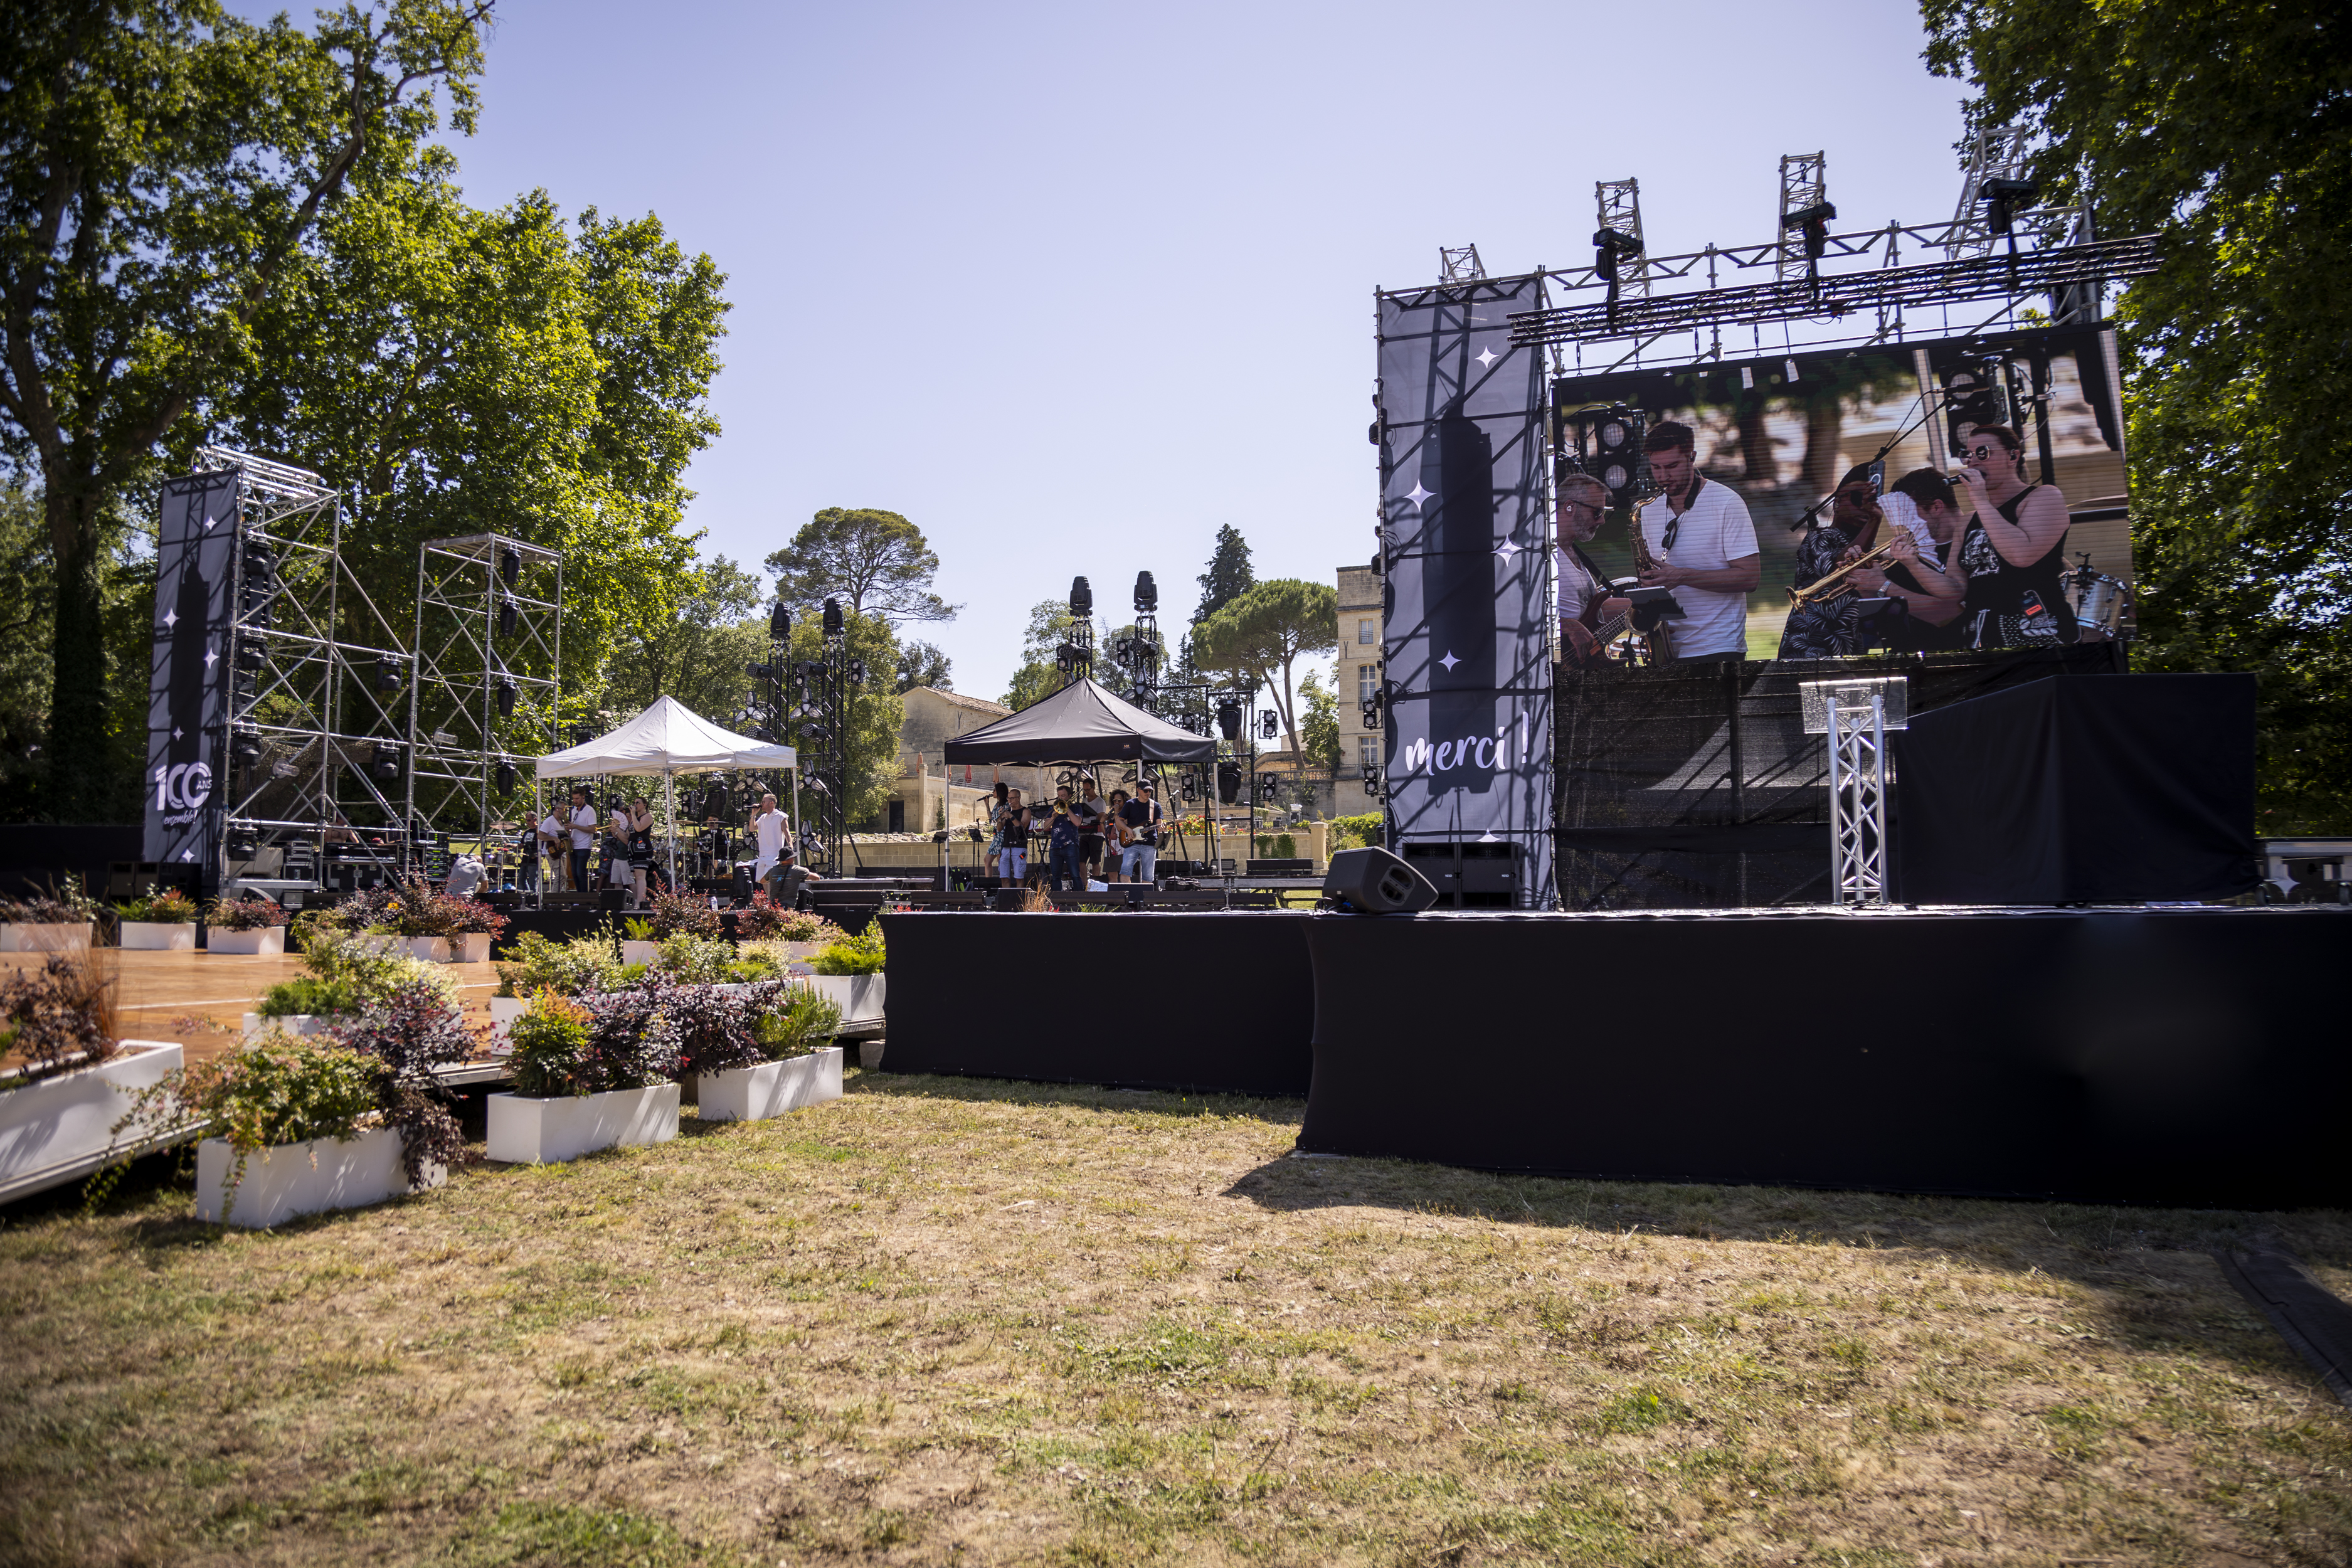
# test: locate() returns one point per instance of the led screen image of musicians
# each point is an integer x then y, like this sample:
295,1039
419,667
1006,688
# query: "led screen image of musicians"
1590,616
2012,555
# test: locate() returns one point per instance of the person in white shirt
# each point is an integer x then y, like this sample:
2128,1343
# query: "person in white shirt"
583,821
1585,603
767,833
1702,546
552,841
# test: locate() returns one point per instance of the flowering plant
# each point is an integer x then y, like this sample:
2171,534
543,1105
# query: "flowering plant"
59,1016
65,904
593,1045
244,914
170,907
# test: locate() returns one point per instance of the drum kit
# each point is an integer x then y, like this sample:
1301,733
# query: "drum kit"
2101,605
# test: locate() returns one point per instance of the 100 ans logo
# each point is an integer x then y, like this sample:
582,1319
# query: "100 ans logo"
184,785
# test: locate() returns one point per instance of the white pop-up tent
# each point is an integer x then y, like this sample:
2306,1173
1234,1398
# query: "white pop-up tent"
668,738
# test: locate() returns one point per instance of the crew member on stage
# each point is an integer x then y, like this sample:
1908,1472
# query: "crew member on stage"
2012,555
1585,603
1701,544
1931,594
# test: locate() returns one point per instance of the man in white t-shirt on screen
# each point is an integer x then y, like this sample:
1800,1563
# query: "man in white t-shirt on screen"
768,832
1703,546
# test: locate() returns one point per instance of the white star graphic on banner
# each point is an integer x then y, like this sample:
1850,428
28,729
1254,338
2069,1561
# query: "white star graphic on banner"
209,656
171,619
1487,359
1449,662
1417,495
175,731
208,522
1506,549
187,854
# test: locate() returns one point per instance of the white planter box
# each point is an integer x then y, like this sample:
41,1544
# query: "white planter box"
504,1011
267,941
428,949
859,996
289,1178
57,1120
771,1088
543,1131
69,936
640,951
257,1025
471,947
159,936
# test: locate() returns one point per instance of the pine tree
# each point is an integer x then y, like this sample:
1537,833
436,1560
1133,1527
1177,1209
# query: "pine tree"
1228,577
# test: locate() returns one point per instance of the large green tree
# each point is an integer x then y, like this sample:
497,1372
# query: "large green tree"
875,563
701,652
460,371
1261,636
164,168
1050,625
2226,126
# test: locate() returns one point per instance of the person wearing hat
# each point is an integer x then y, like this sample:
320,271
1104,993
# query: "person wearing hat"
786,876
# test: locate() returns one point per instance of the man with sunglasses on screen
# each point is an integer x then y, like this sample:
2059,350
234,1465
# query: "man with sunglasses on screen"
1701,544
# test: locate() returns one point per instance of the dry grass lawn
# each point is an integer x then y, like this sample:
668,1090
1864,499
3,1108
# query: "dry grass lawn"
955,1322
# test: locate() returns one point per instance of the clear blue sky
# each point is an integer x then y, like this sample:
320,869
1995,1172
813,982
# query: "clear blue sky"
1070,286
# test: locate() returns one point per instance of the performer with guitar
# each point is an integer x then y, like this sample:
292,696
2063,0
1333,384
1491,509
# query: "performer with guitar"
1586,605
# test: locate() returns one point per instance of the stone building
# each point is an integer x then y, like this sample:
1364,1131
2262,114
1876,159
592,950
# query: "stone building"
1358,670
930,794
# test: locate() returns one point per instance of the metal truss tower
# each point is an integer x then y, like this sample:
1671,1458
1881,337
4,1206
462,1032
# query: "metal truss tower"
826,690
1459,263
305,646
1855,716
482,705
1998,154
1804,188
1617,205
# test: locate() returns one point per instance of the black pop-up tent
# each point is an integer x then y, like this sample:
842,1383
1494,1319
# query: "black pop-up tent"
1082,722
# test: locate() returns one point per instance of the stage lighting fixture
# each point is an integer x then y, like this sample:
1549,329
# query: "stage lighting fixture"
1229,781
506,693
510,564
816,732
243,844
857,672
245,746
1617,453
2002,200
1229,719
760,671
387,672
1147,595
780,624
506,617
1814,221
1269,724
1611,248
383,760
818,784
505,777
1082,598
251,655
833,622
1974,394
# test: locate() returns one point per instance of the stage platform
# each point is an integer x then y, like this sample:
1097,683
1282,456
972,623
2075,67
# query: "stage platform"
2176,1057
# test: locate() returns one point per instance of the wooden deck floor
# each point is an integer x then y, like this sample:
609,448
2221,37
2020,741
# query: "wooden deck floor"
199,999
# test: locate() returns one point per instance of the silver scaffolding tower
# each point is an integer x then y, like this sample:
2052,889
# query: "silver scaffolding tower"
309,651
482,706
1855,716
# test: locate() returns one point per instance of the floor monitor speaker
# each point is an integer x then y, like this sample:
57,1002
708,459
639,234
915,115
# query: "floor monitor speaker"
1375,882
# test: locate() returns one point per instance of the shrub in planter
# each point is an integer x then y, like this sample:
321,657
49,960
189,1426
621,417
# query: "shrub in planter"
685,913
245,926
713,1030
761,919
578,967
58,1017
345,975
753,964
800,1021
165,920
47,922
859,954
688,960
284,1092
596,1044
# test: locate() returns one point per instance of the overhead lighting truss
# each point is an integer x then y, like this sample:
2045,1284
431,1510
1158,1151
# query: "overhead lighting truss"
1884,288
